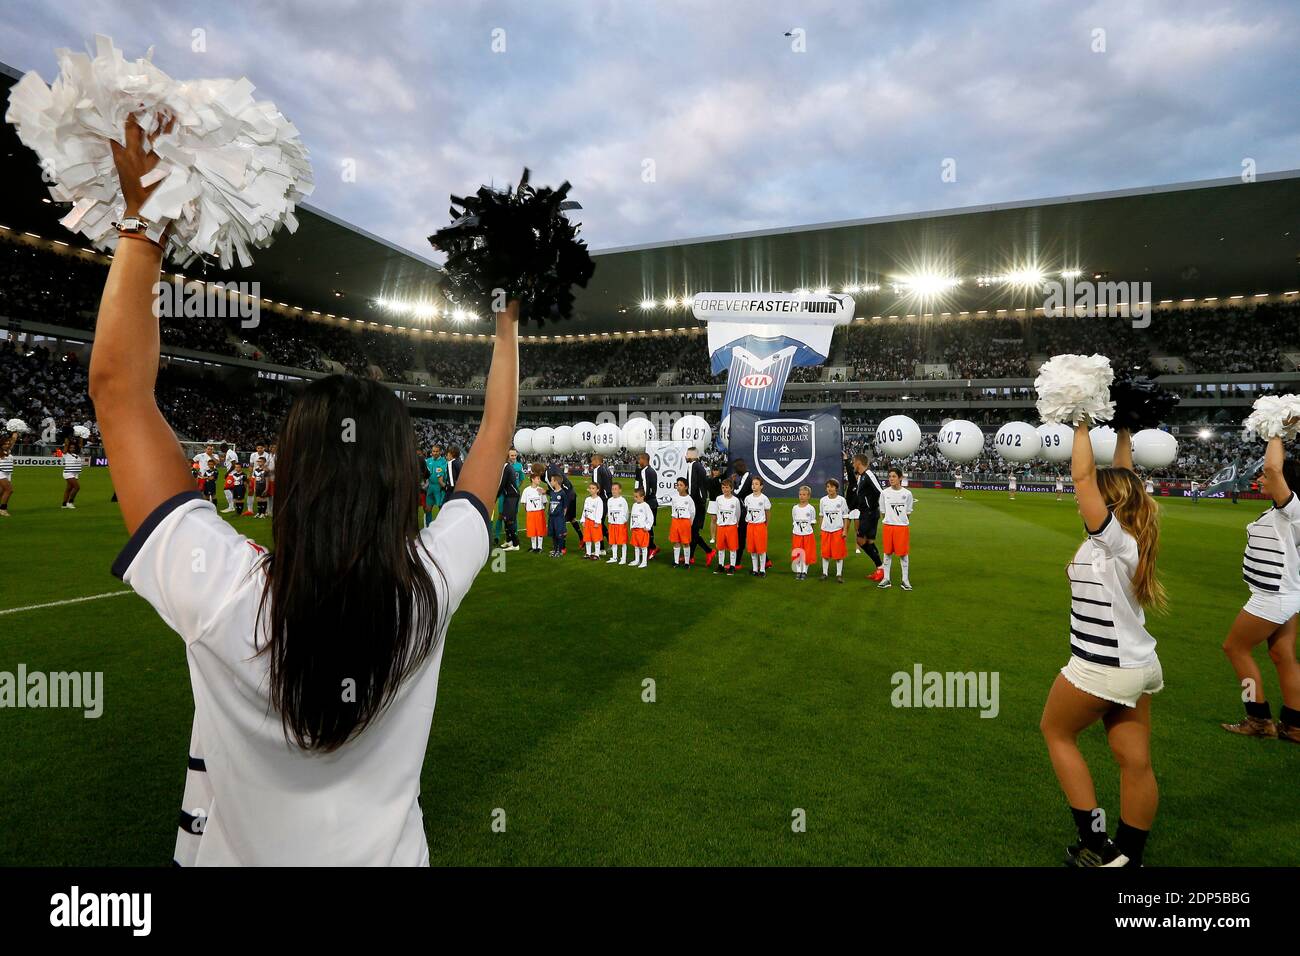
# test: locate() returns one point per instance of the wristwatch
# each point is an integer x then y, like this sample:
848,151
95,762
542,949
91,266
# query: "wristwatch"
132,224
133,227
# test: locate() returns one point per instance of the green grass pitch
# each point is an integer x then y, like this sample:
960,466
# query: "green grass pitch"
771,696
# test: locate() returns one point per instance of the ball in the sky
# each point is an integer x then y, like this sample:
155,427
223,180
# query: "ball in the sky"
562,440
1153,448
524,441
693,430
960,441
637,432
1055,442
584,436
543,440
898,436
607,438
1103,440
1017,441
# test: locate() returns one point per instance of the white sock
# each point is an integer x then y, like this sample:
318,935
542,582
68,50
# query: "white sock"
589,547
677,554
753,560
230,498
839,567
826,566
903,561
889,559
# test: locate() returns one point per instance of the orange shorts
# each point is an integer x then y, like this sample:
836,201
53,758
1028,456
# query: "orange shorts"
591,532
640,537
618,534
728,538
804,543
680,531
834,547
896,539
756,538
534,524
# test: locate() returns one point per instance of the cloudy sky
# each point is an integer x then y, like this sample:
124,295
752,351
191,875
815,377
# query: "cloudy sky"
680,119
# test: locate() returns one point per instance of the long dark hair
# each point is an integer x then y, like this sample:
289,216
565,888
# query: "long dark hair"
353,609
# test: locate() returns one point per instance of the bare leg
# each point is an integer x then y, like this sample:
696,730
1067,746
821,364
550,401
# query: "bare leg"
1281,650
1128,730
1069,711
1247,632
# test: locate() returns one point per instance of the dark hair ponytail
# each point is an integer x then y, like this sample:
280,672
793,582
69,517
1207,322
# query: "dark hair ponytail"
352,608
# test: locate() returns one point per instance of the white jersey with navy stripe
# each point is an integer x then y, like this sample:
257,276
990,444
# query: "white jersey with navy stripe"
6,466
72,464
1271,562
1107,624
261,800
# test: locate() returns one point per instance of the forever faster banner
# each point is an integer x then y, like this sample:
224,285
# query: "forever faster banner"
788,448
758,337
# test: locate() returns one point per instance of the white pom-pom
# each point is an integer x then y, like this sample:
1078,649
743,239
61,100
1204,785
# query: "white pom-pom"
16,425
1273,416
81,431
1074,387
230,172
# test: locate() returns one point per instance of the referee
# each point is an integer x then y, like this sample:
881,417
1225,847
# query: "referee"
864,497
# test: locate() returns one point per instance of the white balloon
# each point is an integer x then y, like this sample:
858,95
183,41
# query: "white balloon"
584,435
607,438
524,441
1055,442
1103,440
898,436
694,430
562,441
1017,441
636,433
544,441
961,441
1153,448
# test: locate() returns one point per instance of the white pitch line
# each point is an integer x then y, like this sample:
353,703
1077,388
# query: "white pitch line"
92,597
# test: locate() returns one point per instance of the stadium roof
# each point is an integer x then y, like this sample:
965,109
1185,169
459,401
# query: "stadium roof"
1201,240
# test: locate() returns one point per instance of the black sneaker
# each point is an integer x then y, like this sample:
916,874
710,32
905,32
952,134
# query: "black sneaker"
762,574
825,576
1083,856
731,570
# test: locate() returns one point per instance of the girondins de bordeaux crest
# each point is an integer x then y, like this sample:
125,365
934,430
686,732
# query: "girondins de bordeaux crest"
784,450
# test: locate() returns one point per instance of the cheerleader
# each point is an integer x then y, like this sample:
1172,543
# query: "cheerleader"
1060,487
297,773
1271,569
7,444
72,465
1011,486
1113,668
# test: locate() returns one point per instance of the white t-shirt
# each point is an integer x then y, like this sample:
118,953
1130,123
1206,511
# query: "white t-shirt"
202,459
727,511
232,456
643,518
1107,625
756,509
1060,484
896,505
834,511
617,510
1151,488
1271,563
593,509
683,506
1011,482
802,519
273,803
533,499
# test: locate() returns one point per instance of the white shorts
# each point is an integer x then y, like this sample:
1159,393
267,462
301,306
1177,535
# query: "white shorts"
1120,685
72,474
1278,608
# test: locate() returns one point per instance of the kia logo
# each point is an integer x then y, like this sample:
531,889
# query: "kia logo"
756,380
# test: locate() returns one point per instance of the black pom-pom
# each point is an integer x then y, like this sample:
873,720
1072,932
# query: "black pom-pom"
1139,402
517,240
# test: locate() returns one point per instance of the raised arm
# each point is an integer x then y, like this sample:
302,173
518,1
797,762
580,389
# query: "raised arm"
1083,469
1274,480
480,476
145,460
1123,449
